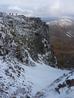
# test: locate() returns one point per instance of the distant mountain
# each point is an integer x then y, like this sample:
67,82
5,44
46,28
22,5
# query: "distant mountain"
62,41
48,19
64,21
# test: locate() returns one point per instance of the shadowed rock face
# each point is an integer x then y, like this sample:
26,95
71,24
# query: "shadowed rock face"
20,33
62,42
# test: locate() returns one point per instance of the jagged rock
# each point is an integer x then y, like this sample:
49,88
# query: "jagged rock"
24,33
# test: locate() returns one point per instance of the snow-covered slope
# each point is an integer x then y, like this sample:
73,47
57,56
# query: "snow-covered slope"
61,22
58,88
65,22
18,80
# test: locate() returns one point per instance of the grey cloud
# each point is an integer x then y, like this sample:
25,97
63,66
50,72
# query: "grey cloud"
42,7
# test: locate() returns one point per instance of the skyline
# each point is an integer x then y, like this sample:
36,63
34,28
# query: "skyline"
41,8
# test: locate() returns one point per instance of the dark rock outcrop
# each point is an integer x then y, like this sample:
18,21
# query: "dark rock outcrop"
22,37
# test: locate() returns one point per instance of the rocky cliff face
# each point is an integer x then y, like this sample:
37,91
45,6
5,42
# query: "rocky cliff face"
21,37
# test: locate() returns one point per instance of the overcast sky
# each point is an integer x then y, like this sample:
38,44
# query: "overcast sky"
41,7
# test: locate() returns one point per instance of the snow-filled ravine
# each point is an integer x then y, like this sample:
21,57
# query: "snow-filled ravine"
41,76
17,76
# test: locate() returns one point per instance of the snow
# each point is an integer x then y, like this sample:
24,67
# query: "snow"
61,22
69,34
37,78
67,94
63,95
65,21
41,76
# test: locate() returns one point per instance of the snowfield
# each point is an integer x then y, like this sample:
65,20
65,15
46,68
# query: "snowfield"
34,79
41,76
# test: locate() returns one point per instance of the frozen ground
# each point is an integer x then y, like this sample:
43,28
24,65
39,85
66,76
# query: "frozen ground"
38,78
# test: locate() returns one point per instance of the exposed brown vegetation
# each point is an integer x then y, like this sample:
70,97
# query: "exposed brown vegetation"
62,45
